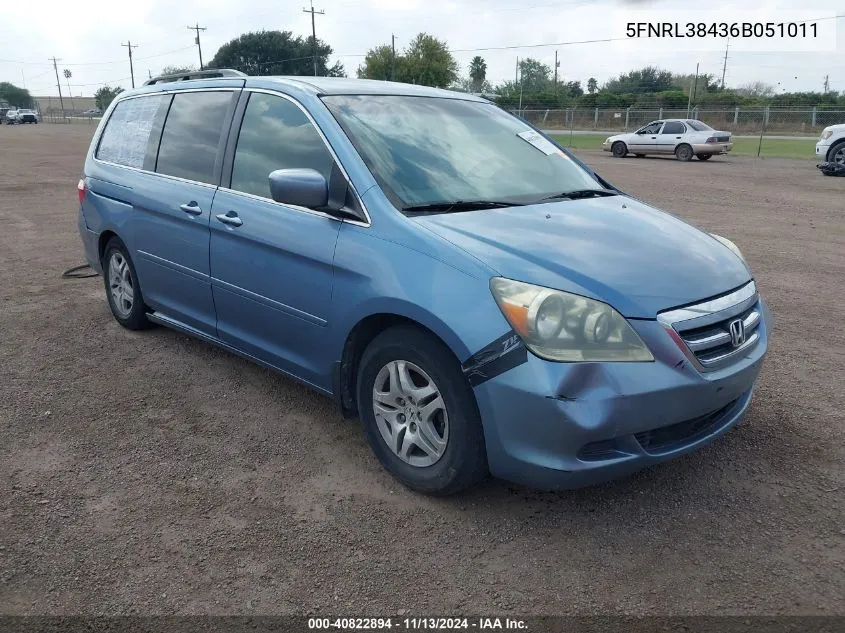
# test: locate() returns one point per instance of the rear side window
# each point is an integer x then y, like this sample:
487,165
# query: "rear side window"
191,135
127,132
674,127
275,134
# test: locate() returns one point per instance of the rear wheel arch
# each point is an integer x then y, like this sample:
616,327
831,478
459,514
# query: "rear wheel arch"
103,240
360,336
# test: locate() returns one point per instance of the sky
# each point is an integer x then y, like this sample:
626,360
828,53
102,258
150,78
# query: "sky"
87,37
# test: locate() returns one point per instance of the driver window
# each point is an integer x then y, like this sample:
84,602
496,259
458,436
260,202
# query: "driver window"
652,128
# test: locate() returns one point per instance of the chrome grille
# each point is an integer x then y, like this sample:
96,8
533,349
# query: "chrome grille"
715,333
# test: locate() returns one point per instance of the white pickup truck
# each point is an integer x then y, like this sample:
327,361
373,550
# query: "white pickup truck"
831,144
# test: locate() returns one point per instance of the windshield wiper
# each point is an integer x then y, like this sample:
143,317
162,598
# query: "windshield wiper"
461,205
578,194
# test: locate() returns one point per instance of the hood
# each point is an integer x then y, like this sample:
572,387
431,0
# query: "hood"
636,258
835,128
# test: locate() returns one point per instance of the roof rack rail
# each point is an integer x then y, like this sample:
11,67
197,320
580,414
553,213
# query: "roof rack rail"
195,74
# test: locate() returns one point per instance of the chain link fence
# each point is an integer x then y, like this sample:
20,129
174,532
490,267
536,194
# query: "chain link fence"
808,121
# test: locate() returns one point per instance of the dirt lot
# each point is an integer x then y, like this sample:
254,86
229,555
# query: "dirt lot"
152,473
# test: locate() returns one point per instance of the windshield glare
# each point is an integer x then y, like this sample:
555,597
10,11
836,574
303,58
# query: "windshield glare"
425,150
698,126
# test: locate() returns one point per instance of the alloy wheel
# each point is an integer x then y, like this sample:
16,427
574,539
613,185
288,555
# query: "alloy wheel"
120,285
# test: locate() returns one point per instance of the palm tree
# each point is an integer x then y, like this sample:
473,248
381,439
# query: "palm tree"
478,73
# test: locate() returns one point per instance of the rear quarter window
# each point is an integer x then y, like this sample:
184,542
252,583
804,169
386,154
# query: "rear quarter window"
127,135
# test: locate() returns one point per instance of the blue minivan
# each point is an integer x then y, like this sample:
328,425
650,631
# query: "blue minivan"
482,300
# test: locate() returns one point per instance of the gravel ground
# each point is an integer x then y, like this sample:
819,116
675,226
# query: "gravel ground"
152,473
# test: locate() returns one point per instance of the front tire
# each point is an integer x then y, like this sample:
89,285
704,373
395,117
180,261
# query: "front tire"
837,153
122,289
419,413
704,156
684,153
619,149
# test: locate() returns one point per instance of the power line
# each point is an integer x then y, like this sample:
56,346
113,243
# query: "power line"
129,47
313,12
198,28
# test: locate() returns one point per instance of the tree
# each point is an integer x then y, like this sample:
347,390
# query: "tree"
478,73
378,63
534,75
175,70
592,85
756,89
428,62
275,53
105,95
648,79
573,88
14,96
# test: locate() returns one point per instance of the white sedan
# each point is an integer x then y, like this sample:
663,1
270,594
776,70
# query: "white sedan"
684,138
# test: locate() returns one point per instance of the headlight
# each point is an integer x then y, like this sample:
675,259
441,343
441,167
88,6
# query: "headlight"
730,245
826,134
564,327
607,140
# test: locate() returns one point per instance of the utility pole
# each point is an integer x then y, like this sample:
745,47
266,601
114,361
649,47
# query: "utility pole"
516,72
393,59
198,28
130,46
23,78
692,90
58,84
68,75
826,83
557,65
725,66
313,11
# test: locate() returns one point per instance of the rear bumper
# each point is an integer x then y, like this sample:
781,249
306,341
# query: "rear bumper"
555,425
712,148
90,244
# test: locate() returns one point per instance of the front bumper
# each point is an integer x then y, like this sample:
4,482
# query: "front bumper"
558,425
821,149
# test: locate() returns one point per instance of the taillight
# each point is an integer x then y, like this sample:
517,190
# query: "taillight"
712,139
80,189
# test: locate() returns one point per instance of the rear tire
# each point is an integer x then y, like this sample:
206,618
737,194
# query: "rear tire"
836,154
640,155
428,432
684,153
704,156
122,289
619,149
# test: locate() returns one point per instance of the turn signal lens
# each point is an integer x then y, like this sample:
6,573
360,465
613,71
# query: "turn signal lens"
80,189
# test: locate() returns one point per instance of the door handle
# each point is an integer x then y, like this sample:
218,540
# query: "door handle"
678,137
653,138
192,207
231,218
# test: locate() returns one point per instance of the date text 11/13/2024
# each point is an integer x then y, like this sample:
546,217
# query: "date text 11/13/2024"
421,623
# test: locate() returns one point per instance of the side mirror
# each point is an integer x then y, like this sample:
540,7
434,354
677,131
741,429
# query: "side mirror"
301,187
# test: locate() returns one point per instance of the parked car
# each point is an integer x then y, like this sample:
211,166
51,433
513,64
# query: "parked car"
11,117
831,144
93,112
684,138
477,296
27,116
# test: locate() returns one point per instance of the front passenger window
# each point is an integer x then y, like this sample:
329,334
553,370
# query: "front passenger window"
275,134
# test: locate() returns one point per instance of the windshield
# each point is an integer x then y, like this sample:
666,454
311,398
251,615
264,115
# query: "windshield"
425,150
698,126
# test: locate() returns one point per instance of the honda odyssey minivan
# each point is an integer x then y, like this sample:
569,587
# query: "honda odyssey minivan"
482,300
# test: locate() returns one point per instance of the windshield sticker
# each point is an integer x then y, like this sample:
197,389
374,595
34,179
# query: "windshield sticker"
538,141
